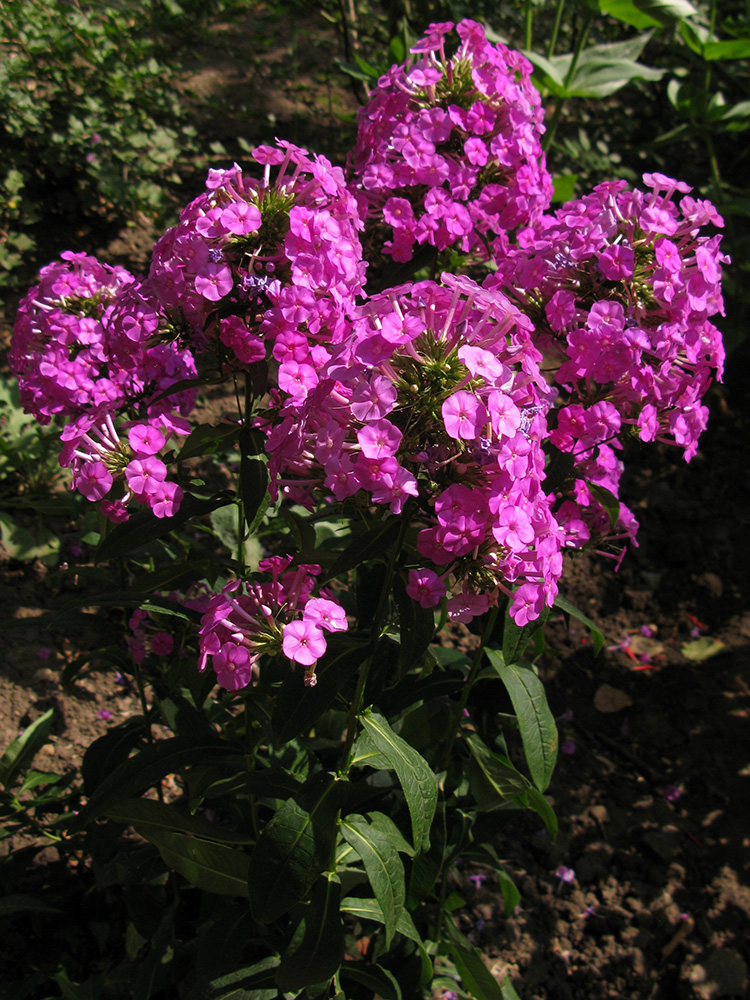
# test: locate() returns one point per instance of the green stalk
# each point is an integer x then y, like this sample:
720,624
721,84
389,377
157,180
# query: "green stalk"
468,684
385,593
528,19
555,29
583,35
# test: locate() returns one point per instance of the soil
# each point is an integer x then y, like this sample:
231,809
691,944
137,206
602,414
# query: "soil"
645,893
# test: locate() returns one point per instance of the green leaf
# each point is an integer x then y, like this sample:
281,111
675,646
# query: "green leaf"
536,801
426,867
564,188
369,909
207,440
535,720
384,868
12,905
20,753
608,501
254,477
205,864
516,638
734,48
148,767
144,527
493,781
381,982
317,947
159,816
647,13
253,982
507,990
297,708
416,626
417,780
370,545
294,848
476,978
570,609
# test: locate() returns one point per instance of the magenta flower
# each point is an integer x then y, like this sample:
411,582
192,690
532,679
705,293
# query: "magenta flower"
214,281
162,644
325,614
464,416
145,439
425,587
379,439
303,642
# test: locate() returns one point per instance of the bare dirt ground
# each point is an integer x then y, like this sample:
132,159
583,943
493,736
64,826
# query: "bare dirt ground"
653,785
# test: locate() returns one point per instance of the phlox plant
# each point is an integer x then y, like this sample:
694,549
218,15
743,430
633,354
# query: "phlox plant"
431,382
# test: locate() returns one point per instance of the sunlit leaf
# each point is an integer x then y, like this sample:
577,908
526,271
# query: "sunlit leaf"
294,848
417,780
535,720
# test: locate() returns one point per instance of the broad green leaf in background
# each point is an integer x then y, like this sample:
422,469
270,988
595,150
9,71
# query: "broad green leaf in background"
294,849
369,909
12,905
253,982
418,781
317,947
384,868
647,13
601,70
535,720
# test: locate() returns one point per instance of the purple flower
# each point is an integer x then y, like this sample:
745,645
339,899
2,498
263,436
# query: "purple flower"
565,875
478,880
568,747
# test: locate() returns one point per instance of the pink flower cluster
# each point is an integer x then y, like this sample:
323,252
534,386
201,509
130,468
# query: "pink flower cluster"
435,401
448,150
247,620
491,415
119,416
621,288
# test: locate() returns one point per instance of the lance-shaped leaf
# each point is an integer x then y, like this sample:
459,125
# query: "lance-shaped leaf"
160,816
427,866
148,767
370,545
207,440
379,981
253,982
416,626
493,781
384,868
570,609
476,978
417,780
207,865
535,720
253,477
369,909
144,527
516,638
20,753
294,849
647,13
317,947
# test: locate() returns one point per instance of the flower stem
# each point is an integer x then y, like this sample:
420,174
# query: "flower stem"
468,684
